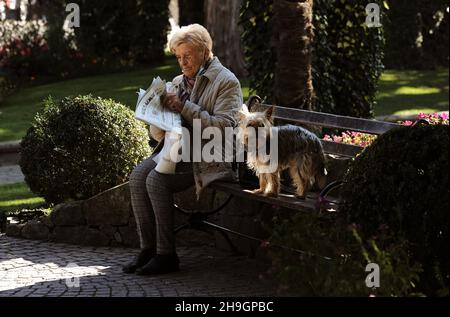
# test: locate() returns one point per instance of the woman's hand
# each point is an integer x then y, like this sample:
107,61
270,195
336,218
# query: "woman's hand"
171,101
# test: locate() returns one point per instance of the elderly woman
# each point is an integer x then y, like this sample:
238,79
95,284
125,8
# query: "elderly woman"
206,91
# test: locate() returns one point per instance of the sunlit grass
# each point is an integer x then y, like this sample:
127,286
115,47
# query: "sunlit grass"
411,92
17,196
417,90
413,112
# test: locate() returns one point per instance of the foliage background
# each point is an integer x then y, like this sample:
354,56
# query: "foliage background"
347,55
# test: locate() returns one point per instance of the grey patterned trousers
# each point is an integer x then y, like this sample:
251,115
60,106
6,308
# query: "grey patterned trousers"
152,203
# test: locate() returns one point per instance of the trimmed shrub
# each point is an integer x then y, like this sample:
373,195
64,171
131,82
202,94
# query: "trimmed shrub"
81,146
399,187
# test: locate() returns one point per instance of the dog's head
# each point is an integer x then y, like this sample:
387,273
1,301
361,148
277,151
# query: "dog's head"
251,124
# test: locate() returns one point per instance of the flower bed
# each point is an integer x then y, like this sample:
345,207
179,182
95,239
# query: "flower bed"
365,139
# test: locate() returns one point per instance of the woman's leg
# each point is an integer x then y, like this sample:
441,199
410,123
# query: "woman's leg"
140,202
160,188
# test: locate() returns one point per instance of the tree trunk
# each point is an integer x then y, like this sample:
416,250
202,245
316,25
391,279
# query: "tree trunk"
191,11
292,37
221,20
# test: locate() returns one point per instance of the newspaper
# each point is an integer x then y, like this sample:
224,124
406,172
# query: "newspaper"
150,110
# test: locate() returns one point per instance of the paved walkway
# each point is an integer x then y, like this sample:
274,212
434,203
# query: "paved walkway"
30,268
10,174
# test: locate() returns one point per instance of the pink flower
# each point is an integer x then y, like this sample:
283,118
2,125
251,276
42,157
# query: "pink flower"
422,115
407,122
337,139
444,116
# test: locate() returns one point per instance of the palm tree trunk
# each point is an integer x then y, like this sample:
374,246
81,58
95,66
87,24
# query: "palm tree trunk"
221,20
292,37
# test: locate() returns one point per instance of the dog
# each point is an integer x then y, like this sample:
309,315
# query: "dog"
299,151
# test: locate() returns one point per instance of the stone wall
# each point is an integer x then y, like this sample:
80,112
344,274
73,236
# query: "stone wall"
105,219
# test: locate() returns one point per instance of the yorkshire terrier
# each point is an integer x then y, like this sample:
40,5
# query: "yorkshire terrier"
298,150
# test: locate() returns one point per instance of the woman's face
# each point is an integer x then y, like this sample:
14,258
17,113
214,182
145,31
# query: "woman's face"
190,58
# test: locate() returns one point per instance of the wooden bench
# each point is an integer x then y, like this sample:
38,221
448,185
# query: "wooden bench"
314,200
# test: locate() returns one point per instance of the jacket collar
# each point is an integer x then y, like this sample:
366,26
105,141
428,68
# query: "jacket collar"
213,69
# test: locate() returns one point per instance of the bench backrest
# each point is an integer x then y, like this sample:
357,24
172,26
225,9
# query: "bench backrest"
332,121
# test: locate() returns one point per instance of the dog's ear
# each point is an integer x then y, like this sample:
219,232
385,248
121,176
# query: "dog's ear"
244,109
243,112
268,113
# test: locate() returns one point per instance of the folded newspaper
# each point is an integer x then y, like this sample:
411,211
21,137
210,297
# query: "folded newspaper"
150,110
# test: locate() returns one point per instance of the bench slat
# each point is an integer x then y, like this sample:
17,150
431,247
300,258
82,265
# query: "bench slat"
284,200
330,120
341,148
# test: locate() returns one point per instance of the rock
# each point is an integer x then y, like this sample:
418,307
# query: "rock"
108,230
117,237
129,237
35,230
132,222
14,229
110,207
47,220
68,214
95,237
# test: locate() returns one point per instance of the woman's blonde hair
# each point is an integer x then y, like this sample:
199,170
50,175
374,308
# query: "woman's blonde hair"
194,34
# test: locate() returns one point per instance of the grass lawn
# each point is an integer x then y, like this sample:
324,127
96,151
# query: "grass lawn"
17,196
411,92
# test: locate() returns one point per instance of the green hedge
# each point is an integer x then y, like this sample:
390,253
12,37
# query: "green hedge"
398,187
81,146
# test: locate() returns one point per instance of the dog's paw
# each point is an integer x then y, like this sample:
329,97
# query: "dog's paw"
257,191
271,194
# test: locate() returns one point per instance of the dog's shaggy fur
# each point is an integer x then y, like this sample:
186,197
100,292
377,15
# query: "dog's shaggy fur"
299,151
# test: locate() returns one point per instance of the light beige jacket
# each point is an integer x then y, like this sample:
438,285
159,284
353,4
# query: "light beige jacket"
215,100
